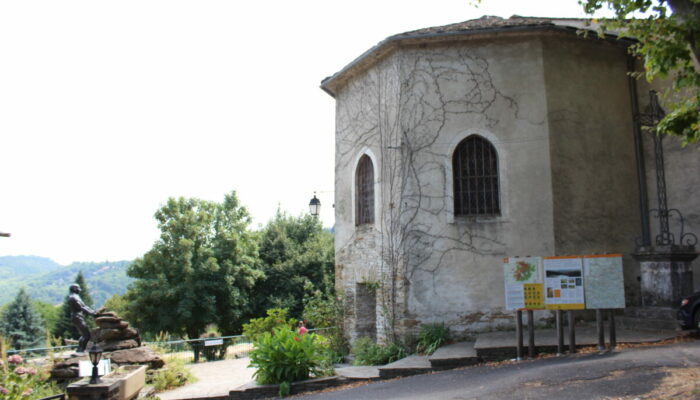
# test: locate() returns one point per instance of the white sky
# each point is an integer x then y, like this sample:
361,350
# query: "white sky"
109,108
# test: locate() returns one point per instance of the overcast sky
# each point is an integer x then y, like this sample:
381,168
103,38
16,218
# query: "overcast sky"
109,108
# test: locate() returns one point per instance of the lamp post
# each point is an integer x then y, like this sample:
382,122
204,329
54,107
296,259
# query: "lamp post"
315,206
95,354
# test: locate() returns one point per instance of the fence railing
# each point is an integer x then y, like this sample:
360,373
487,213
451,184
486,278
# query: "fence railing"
189,350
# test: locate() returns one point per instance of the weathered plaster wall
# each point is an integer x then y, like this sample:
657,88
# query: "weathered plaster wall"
365,113
594,179
494,89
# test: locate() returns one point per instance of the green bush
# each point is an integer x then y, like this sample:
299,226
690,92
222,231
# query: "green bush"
325,311
367,352
276,318
173,375
431,337
284,356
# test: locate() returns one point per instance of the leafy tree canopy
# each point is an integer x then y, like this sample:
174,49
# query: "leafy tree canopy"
669,42
200,271
297,255
21,324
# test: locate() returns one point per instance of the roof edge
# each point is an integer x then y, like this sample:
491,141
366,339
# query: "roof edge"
332,83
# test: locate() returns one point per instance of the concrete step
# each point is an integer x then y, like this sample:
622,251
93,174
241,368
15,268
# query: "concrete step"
647,324
411,365
454,355
360,373
651,312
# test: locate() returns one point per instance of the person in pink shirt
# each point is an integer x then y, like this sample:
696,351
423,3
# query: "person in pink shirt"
302,329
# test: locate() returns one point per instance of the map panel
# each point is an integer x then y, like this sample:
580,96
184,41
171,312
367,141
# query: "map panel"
523,283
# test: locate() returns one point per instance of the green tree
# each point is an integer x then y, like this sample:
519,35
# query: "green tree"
21,324
297,255
64,326
669,42
201,270
48,312
119,305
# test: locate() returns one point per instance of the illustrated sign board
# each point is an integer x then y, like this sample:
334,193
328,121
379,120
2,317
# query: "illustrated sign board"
563,283
523,283
605,286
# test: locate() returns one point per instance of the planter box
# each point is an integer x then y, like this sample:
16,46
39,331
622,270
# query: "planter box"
121,385
133,382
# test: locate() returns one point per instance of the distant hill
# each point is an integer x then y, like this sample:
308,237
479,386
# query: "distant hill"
14,266
48,281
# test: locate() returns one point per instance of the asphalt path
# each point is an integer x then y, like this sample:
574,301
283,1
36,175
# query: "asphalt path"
628,372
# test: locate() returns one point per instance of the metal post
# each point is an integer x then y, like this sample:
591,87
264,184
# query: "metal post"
572,332
560,333
600,328
531,334
613,337
519,334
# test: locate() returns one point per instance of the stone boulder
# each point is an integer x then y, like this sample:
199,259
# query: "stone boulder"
118,342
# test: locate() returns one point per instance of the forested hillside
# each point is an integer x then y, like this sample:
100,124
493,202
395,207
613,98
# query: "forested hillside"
47,281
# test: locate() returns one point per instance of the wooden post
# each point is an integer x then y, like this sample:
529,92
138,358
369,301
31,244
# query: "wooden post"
600,328
519,334
560,333
613,336
531,334
572,332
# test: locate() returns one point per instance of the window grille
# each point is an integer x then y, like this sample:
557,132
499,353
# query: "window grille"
364,191
475,172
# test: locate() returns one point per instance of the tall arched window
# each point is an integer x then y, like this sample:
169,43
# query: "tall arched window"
364,191
475,172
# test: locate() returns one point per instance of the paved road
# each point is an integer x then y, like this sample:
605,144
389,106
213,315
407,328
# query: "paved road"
214,379
629,372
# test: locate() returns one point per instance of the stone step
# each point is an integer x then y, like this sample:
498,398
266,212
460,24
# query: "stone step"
651,312
361,373
455,355
647,324
411,365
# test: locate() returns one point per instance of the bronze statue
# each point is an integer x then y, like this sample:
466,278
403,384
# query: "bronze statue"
77,308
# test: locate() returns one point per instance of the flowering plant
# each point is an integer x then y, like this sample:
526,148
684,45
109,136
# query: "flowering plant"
20,382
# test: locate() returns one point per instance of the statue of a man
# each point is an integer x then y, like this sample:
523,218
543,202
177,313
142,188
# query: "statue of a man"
77,308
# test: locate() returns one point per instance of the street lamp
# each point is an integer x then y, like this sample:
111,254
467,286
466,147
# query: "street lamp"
315,206
95,354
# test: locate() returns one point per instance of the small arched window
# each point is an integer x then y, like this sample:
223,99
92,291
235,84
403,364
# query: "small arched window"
475,173
364,191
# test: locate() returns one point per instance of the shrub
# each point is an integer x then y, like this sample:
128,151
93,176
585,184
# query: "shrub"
173,375
326,312
431,337
276,318
284,356
369,353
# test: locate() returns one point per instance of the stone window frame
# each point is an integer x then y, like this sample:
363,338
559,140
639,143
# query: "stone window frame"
502,157
377,194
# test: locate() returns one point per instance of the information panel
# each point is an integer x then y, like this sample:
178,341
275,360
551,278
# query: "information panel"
523,283
563,283
605,286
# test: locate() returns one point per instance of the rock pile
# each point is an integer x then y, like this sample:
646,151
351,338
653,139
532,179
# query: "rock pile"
119,343
113,333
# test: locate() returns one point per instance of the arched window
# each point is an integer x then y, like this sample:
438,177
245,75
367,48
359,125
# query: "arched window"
475,173
364,191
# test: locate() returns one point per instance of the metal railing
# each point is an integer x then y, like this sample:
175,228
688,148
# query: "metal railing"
189,350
